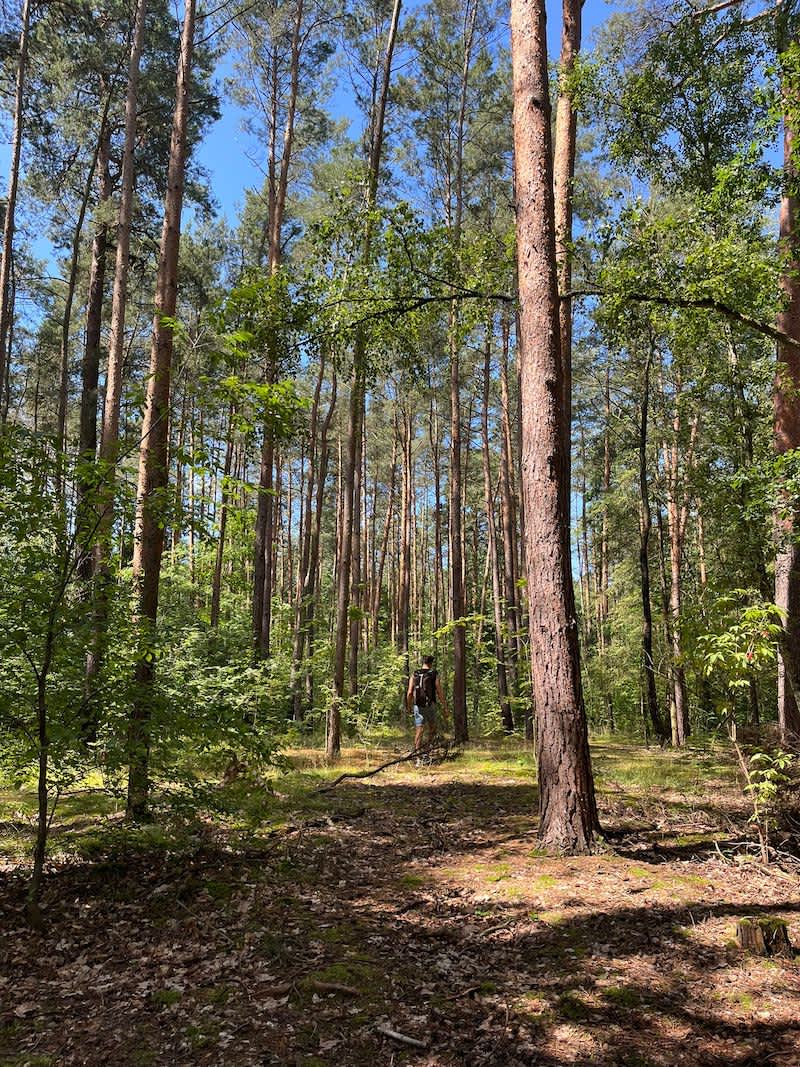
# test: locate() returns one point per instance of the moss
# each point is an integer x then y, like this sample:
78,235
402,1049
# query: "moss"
623,997
165,998
544,881
570,1007
412,881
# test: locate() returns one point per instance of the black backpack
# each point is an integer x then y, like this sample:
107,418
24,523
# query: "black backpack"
424,688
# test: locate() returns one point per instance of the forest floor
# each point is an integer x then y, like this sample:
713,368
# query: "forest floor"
299,926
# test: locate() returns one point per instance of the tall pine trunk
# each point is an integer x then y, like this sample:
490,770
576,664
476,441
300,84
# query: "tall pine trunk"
568,812
6,292
787,433
356,419
153,460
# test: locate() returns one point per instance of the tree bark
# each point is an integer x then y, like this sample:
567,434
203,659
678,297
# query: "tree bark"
645,529
356,413
109,437
787,437
563,179
90,370
568,812
6,307
153,470
494,561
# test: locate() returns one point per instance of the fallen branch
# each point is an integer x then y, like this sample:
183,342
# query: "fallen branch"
443,747
402,1038
331,987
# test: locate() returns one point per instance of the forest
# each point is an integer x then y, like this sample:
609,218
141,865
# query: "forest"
339,335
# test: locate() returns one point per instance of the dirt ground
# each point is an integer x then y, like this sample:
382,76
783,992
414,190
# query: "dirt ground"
415,902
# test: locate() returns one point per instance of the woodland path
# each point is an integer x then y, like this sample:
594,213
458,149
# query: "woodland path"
416,901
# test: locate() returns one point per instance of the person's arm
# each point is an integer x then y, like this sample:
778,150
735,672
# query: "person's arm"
441,698
410,693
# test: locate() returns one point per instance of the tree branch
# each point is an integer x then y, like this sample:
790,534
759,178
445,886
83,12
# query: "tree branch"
700,303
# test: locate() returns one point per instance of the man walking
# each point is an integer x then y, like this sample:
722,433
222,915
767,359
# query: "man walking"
424,692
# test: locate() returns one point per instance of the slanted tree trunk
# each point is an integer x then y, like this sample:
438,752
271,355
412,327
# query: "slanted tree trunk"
72,280
153,469
568,812
6,303
90,370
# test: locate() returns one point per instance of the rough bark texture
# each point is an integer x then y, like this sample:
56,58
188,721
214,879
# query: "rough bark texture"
153,469
568,813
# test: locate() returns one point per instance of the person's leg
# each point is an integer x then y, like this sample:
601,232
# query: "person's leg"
419,722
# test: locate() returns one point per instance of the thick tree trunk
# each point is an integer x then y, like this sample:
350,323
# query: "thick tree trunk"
6,304
153,470
568,812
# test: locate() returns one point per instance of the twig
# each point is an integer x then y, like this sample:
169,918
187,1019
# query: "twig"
464,993
402,1038
415,754
331,987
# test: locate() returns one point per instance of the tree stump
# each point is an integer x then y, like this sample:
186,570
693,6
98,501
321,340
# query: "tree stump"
764,936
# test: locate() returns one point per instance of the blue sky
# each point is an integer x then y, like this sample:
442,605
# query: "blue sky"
226,151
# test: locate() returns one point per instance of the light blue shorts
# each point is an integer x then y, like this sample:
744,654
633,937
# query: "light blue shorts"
425,716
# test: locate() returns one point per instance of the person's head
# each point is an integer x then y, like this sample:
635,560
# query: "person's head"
428,661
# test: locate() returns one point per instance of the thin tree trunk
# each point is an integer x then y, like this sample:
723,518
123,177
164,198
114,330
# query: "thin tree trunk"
494,561
456,550
109,438
568,812
216,582
356,415
787,435
66,319
563,178
90,370
153,471
645,529
6,304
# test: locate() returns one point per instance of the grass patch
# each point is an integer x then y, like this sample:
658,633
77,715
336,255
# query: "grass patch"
623,997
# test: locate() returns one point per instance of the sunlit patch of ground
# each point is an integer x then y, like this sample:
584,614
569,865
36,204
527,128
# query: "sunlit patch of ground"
293,927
